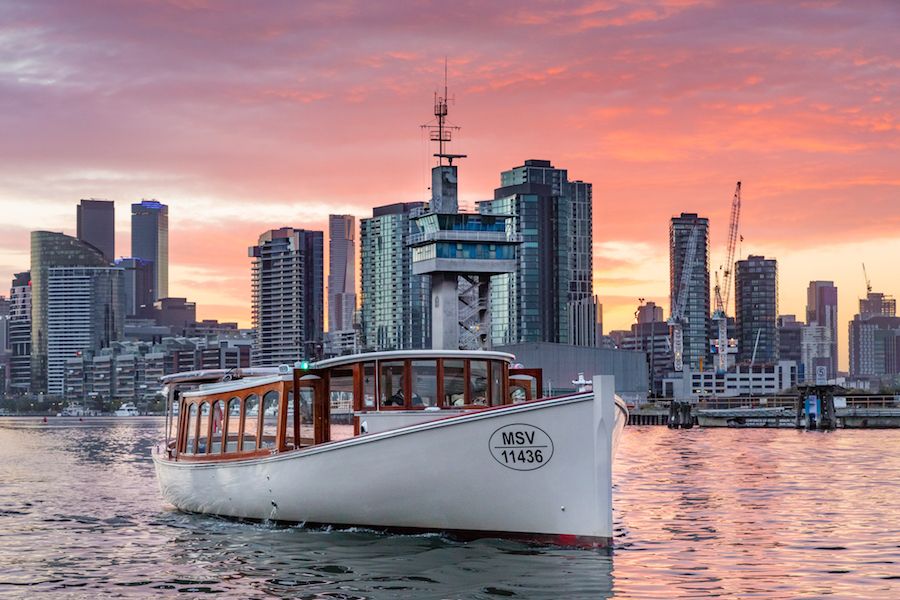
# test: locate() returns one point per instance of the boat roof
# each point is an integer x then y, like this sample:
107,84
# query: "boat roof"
235,385
412,354
214,381
213,375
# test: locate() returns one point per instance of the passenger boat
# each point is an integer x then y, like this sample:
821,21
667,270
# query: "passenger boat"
127,409
458,442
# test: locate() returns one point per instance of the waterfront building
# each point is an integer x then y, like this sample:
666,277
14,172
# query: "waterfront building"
696,310
756,309
396,304
85,311
341,272
741,380
822,310
139,282
288,296
129,371
96,225
20,333
550,296
48,250
150,241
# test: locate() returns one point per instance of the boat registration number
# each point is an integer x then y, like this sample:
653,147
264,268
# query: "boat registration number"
521,447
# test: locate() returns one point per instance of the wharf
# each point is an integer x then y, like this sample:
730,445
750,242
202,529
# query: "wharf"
843,412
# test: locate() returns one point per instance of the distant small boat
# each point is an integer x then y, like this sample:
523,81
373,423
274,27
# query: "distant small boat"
128,409
73,409
453,441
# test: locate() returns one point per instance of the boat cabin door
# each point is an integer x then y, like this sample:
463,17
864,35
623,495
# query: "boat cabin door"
308,413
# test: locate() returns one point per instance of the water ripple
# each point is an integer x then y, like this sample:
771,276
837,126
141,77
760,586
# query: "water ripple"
698,513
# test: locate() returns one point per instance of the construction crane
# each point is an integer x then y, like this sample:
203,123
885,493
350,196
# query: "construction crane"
677,318
719,314
868,283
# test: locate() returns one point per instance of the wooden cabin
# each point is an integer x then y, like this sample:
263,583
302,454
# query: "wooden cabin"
243,414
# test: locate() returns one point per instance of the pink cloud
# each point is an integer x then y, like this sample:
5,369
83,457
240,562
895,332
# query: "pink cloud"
222,110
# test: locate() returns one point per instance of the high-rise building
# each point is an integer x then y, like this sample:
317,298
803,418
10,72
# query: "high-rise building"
396,305
874,336
756,309
341,272
876,304
85,312
150,241
96,225
138,281
696,309
20,333
822,311
50,249
288,296
550,297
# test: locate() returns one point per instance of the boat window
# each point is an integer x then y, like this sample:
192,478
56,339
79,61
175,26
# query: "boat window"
251,422
234,424
478,382
218,426
424,383
190,446
496,383
391,384
288,443
341,409
307,433
522,388
454,382
175,404
368,385
270,419
202,440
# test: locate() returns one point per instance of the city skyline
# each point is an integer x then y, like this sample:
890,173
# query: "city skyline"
658,131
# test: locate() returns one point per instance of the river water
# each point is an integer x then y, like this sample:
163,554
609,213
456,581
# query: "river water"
698,513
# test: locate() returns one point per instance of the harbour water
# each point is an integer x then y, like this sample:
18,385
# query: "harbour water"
699,513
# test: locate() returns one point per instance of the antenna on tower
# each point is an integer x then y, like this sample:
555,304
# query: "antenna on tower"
440,129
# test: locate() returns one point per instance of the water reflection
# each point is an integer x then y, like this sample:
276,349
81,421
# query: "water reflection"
83,514
774,514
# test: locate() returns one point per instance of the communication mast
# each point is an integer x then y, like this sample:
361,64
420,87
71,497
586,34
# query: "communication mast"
439,129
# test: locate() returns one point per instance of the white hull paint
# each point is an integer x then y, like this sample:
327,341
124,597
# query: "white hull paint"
440,475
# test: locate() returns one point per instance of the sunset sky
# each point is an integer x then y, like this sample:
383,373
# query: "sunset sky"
246,116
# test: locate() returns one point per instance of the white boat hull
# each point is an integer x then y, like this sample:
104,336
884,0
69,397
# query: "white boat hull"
448,475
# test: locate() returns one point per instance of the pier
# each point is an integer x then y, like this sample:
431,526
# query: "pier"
822,411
